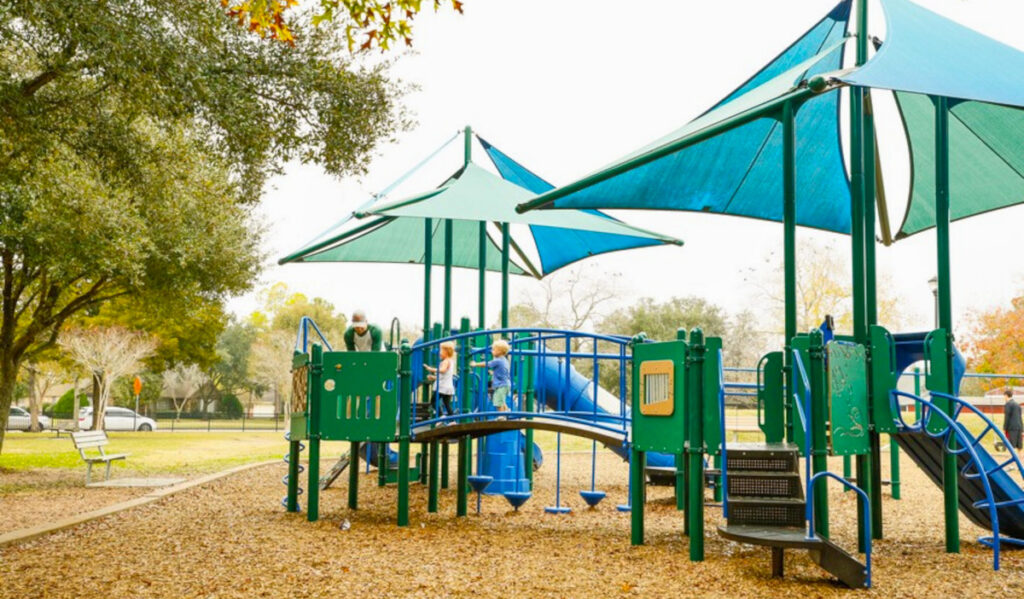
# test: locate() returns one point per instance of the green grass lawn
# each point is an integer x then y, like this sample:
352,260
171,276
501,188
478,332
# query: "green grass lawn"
158,452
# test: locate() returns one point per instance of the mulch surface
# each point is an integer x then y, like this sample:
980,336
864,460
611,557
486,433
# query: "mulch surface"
231,538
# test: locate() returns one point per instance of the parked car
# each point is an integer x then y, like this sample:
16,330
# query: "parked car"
19,420
117,419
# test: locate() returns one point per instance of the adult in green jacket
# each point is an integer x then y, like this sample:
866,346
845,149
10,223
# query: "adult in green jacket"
361,335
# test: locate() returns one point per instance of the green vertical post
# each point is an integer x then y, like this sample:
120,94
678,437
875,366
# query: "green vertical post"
857,209
382,464
353,476
680,458
404,425
433,446
449,242
293,476
530,406
894,467
847,470
638,495
462,469
818,454
949,463
695,444
428,262
871,305
789,252
504,274
316,369
482,284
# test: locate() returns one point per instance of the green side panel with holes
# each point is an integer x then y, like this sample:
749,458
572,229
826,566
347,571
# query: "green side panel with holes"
883,379
359,396
771,405
663,433
848,398
712,392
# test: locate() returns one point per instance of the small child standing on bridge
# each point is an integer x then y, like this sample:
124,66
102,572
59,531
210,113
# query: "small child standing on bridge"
445,373
501,378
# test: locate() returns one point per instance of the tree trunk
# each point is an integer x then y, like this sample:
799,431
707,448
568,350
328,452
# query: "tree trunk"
33,401
177,409
76,406
8,377
97,409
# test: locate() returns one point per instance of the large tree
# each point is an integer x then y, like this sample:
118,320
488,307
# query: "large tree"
995,341
136,134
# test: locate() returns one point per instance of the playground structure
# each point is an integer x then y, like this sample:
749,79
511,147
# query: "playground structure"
822,394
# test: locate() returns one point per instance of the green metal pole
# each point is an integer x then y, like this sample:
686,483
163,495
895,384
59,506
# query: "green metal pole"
482,284
680,459
638,493
316,369
819,429
894,467
293,476
789,253
462,476
530,404
353,477
432,447
448,250
504,274
428,262
949,462
695,444
382,464
860,328
871,304
404,425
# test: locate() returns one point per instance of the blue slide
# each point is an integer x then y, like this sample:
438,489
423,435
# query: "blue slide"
928,452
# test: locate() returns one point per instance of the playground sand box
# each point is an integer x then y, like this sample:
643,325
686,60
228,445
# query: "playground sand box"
231,538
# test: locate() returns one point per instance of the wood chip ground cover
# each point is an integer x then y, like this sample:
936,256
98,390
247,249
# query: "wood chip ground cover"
231,538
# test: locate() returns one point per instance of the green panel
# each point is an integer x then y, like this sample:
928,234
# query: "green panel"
937,374
801,343
664,434
848,398
297,427
986,159
771,407
712,385
883,378
359,396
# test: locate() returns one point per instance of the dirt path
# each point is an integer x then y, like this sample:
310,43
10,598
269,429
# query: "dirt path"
230,538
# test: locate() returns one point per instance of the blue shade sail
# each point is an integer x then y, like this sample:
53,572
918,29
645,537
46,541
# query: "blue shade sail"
558,247
739,172
926,53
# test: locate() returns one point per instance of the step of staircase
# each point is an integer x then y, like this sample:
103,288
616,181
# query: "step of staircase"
746,483
762,457
766,511
847,568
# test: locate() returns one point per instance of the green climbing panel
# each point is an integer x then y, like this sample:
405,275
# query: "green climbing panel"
802,344
359,396
883,379
848,397
771,406
712,389
659,390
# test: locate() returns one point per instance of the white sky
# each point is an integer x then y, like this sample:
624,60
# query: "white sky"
569,85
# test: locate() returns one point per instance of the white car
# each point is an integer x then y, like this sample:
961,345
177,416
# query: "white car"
19,420
117,419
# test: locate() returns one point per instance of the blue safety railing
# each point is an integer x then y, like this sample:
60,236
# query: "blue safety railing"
865,506
957,440
724,474
302,337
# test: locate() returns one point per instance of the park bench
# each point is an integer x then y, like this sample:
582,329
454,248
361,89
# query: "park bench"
94,439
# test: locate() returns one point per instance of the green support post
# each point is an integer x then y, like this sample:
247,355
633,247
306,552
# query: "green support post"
789,253
505,240
353,477
404,425
949,462
638,495
695,444
293,476
449,242
482,284
530,406
871,305
847,470
316,369
462,469
433,446
894,467
382,464
680,462
819,429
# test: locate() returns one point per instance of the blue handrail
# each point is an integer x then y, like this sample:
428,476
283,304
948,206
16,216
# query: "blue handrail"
302,338
865,512
802,409
930,410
